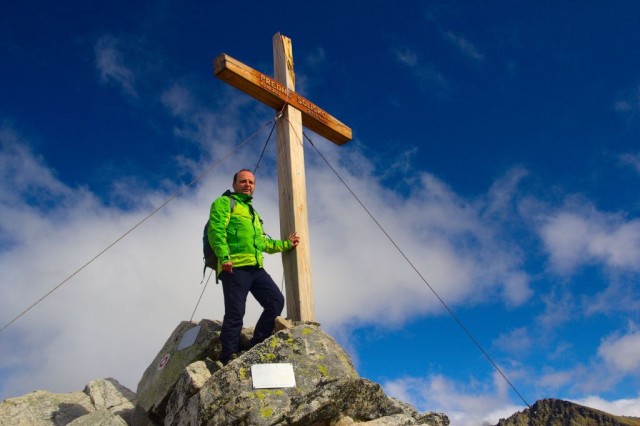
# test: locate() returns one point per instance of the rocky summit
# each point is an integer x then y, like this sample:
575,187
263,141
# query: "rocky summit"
298,376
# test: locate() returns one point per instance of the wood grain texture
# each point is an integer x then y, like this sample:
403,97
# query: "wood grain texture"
276,94
292,191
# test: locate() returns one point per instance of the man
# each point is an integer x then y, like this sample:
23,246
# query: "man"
238,240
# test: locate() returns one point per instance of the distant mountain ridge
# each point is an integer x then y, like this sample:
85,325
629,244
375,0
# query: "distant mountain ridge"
556,412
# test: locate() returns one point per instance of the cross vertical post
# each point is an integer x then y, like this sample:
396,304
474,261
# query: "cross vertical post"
297,111
292,190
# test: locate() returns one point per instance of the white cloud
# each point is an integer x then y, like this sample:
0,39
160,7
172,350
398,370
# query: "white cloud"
622,106
622,353
503,193
466,404
517,341
560,307
427,76
631,160
111,65
556,379
619,296
407,57
616,359
565,235
620,407
28,173
316,57
464,45
629,101
463,258
578,235
178,100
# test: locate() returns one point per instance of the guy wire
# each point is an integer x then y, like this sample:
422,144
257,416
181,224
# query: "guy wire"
170,199
275,120
201,294
453,315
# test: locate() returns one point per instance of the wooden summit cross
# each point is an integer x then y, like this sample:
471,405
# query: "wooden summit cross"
278,93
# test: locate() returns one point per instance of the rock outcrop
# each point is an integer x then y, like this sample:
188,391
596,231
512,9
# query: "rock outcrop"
187,344
552,412
326,391
299,376
103,402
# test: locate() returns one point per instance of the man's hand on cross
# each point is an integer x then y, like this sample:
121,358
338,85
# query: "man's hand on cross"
295,239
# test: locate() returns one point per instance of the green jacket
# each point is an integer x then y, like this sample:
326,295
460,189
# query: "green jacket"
237,235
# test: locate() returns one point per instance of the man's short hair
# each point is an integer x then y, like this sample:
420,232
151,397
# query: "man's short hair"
235,177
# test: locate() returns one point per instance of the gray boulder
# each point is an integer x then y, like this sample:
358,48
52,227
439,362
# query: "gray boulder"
188,343
190,383
47,408
327,388
102,417
108,394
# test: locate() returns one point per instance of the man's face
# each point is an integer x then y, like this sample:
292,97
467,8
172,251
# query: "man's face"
245,183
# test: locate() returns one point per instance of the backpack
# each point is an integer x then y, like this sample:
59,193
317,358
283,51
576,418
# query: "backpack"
209,256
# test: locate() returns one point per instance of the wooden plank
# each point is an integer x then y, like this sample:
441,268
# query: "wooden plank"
292,192
273,93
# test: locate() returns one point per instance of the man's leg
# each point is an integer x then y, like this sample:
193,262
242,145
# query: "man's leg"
235,288
271,299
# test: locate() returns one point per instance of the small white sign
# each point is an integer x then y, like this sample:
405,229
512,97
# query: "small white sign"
189,337
268,376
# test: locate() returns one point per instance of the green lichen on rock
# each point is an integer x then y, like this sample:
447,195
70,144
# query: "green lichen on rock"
323,370
266,358
266,412
243,373
327,387
228,397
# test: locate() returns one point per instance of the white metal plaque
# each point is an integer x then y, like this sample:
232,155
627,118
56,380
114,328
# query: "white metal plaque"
268,376
189,337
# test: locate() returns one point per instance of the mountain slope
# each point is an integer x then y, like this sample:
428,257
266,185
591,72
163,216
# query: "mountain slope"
556,412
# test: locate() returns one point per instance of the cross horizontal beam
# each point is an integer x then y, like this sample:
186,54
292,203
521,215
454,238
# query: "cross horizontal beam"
276,95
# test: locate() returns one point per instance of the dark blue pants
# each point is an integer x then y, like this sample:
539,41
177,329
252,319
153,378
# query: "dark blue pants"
236,287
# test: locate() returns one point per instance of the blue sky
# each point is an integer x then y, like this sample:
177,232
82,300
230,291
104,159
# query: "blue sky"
497,143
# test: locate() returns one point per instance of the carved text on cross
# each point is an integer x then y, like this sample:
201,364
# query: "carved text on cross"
275,94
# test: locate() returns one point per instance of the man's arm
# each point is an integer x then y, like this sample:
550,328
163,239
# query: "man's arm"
277,246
